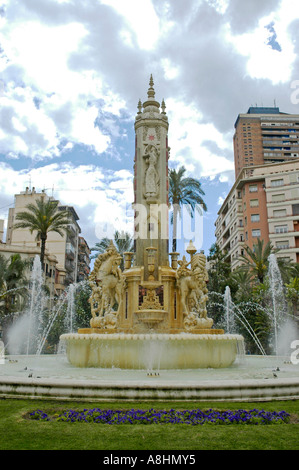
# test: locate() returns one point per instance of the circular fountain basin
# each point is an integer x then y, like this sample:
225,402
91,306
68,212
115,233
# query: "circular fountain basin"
250,378
152,351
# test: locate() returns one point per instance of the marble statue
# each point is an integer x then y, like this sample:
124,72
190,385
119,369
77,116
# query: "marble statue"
192,285
107,284
151,174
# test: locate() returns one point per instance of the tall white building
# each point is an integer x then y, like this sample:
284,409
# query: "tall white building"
263,203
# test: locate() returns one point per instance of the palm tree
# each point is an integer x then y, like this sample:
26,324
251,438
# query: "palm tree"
244,282
183,191
43,217
256,260
123,242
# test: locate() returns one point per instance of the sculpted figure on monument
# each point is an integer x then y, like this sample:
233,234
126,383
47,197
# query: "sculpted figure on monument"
107,283
151,185
192,284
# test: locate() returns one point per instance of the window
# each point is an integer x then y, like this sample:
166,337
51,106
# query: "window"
295,208
285,258
254,202
278,182
256,232
255,217
253,188
282,245
280,213
281,228
278,197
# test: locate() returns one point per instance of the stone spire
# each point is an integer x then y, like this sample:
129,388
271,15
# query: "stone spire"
151,91
139,107
151,101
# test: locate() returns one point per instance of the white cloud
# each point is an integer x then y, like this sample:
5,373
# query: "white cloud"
171,71
72,73
264,61
221,200
219,5
98,195
85,131
142,20
44,102
43,51
27,130
187,134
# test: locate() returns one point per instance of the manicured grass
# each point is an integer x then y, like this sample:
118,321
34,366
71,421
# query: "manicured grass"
19,433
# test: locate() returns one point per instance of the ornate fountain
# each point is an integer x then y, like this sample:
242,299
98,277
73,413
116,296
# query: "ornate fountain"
152,314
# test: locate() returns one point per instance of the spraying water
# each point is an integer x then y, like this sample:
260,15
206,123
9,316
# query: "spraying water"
30,331
228,311
35,305
70,308
232,313
282,327
278,310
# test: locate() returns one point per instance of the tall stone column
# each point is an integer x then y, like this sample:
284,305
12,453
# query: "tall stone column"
151,184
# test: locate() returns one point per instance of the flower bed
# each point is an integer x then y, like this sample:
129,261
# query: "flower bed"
151,416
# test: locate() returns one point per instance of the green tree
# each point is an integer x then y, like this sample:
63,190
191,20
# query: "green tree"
243,281
219,277
218,269
292,294
83,310
13,283
186,191
43,217
123,242
256,259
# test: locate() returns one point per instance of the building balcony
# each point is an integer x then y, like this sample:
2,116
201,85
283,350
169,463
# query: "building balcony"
69,265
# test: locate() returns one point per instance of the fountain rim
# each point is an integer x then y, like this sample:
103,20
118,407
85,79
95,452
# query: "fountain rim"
151,336
142,389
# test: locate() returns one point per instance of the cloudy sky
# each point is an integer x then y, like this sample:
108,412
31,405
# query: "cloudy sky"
72,72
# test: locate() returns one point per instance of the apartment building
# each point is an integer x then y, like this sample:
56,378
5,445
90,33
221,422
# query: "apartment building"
263,203
83,260
265,135
28,254
64,248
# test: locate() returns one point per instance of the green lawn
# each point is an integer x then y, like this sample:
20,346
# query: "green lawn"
19,433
